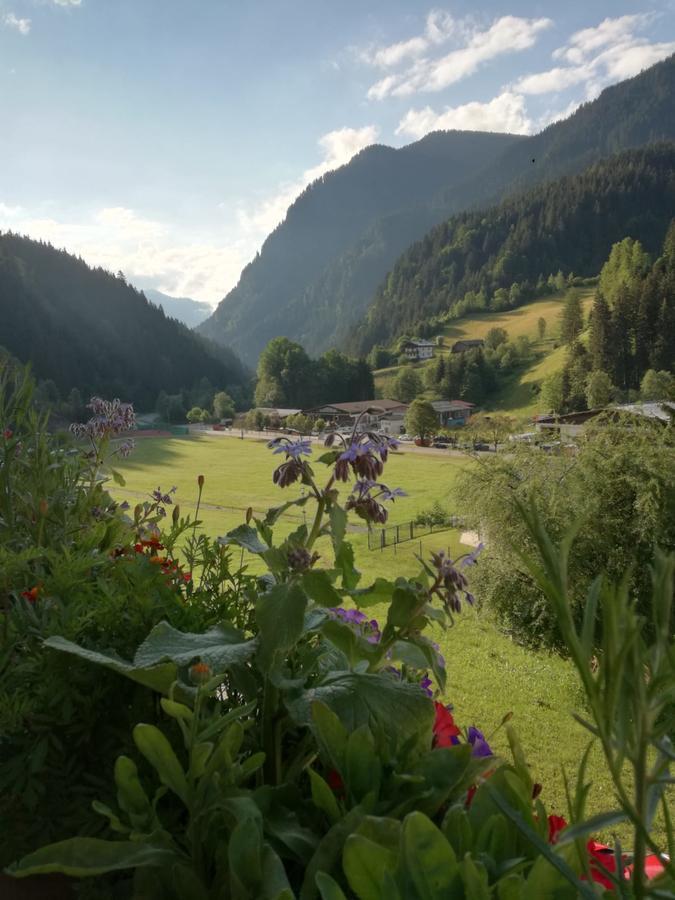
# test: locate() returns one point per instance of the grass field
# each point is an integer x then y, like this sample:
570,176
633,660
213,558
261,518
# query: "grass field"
517,396
488,675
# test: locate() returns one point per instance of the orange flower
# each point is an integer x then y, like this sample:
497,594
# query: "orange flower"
200,672
32,594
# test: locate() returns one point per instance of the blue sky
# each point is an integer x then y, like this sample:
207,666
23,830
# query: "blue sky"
167,138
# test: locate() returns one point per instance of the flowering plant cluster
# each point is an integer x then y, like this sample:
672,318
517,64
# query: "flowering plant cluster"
300,748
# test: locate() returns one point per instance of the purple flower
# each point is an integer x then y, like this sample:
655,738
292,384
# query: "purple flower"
471,558
369,629
293,449
479,746
426,685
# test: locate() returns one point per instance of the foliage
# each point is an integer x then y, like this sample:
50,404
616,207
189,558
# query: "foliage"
421,420
619,485
88,329
288,378
572,318
599,389
74,563
223,406
407,386
495,426
657,385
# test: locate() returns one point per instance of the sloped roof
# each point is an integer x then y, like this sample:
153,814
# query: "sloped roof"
356,407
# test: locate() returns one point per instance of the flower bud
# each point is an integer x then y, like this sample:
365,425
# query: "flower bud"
200,481
44,506
200,673
249,514
175,515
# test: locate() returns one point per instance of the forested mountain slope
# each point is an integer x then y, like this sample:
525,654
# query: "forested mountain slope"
318,272
85,328
334,214
569,224
188,311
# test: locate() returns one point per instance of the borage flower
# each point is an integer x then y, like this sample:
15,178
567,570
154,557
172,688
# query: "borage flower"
479,746
365,500
450,583
361,624
294,468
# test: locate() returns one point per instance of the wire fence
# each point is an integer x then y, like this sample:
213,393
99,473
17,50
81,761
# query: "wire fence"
391,535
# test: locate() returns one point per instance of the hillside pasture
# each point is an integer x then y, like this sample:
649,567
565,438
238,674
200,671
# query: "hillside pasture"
518,393
488,674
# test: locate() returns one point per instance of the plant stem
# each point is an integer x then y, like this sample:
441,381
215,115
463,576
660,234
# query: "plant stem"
270,733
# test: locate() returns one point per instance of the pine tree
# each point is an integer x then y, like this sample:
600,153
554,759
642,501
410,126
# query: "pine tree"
600,342
572,321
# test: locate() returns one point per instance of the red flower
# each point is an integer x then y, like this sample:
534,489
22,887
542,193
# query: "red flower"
445,731
32,594
335,782
555,826
8,434
603,862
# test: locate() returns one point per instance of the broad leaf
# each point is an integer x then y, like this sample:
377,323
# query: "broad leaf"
344,562
330,889
159,678
82,857
280,613
158,751
365,863
220,647
429,860
319,587
338,527
399,710
246,537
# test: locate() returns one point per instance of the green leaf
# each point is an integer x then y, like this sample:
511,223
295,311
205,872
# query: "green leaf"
329,889
280,614
330,457
114,821
344,561
245,858
273,514
364,863
398,709
318,585
323,797
338,527
188,884
117,477
274,882
593,824
246,537
82,857
131,797
428,859
404,604
159,678
159,753
220,647
475,879
363,770
327,854
330,733
176,710
379,591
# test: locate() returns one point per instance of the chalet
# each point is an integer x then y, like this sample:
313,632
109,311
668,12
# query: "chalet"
418,349
374,412
452,412
463,346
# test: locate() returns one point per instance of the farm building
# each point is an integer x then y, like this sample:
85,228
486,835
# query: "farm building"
463,346
418,349
452,412
343,414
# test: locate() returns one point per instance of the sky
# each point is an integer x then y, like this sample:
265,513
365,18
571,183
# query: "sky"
167,138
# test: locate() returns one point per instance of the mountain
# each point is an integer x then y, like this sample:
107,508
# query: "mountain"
319,270
188,311
85,328
495,258
341,212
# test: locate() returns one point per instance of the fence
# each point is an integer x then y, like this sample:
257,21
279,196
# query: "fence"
390,535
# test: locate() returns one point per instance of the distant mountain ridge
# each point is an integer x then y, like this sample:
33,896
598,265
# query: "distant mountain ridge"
318,272
188,311
85,328
332,216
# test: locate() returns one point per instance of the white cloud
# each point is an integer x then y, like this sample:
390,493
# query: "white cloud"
506,112
163,255
598,56
337,148
439,27
9,20
508,34
144,249
67,2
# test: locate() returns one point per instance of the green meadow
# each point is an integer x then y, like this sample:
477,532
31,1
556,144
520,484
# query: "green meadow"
488,674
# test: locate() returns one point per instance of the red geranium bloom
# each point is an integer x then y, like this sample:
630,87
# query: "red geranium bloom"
335,782
603,862
7,433
32,594
555,826
445,731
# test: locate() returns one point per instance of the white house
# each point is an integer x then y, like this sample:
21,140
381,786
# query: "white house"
418,349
